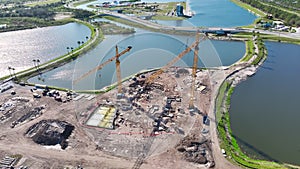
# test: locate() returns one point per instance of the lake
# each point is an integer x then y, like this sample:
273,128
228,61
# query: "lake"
150,50
19,48
208,13
265,109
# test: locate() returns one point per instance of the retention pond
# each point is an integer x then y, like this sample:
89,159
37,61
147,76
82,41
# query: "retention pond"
265,109
19,48
150,50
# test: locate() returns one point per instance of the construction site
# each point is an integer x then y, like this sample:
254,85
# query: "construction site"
142,119
157,119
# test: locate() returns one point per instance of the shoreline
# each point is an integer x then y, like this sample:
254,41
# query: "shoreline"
249,8
221,111
237,151
188,9
55,23
96,37
113,85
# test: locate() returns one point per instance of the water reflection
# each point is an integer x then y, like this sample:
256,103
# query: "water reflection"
265,109
150,50
19,48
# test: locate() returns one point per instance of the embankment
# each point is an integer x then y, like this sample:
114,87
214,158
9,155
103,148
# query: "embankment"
95,38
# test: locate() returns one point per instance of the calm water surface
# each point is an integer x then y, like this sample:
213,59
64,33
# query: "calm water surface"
18,48
265,109
215,13
219,13
150,50
208,13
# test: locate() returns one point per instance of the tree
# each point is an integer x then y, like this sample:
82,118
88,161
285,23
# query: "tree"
13,73
81,14
9,69
292,21
38,64
297,23
34,62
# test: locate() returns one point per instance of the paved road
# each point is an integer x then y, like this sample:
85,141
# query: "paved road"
220,161
195,29
184,29
158,26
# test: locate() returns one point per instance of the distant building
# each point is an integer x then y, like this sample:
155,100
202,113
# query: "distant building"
270,16
7,162
179,10
264,24
3,26
278,23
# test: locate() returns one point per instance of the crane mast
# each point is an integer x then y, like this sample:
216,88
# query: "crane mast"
194,71
151,78
118,69
116,57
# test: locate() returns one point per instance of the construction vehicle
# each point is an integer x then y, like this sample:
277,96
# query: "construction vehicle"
116,57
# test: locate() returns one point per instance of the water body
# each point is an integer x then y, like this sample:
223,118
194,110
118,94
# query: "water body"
208,13
219,13
19,48
150,50
265,109
215,13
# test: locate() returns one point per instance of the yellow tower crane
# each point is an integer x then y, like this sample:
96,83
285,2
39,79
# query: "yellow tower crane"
194,71
151,78
116,57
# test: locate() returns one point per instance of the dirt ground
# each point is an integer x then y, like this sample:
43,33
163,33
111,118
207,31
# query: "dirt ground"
134,139
62,15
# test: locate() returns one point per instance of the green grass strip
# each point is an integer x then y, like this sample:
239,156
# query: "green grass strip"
62,59
227,140
249,50
40,3
82,2
249,7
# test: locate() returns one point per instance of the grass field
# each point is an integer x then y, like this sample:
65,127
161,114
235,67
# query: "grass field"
82,2
43,2
163,17
249,50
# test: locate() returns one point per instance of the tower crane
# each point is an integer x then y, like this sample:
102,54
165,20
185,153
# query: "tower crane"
116,57
151,78
194,71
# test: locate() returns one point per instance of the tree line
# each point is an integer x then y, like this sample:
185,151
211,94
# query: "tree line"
289,18
290,4
43,12
46,12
